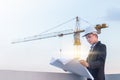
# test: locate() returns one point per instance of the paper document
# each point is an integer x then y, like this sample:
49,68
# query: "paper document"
73,66
62,60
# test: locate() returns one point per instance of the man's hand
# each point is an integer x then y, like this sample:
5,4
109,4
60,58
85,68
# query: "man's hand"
84,63
65,70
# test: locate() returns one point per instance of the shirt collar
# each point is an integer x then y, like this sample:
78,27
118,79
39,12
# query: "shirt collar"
94,44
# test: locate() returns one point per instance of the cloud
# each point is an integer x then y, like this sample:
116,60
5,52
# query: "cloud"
113,14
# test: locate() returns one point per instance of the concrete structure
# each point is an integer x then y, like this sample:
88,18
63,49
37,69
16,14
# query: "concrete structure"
29,75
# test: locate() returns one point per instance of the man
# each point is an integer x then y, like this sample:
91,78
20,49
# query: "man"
96,59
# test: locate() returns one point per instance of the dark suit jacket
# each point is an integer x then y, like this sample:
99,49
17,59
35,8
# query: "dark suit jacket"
96,60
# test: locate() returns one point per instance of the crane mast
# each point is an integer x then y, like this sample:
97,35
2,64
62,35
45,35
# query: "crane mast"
77,42
77,34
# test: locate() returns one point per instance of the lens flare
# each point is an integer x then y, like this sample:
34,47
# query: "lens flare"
75,52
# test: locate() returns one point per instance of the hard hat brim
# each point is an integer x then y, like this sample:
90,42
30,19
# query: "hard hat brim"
90,33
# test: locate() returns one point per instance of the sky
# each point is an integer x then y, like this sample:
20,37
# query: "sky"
24,18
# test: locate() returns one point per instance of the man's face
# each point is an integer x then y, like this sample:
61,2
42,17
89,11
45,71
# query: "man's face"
91,38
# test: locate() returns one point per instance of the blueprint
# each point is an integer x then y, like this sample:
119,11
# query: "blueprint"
72,66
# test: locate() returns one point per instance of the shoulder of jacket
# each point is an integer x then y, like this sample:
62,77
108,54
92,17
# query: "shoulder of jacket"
100,44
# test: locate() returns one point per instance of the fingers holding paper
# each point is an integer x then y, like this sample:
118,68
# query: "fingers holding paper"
84,63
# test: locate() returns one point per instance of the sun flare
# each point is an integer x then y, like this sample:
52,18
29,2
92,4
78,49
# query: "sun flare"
79,52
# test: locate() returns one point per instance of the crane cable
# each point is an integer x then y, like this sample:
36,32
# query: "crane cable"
63,24
85,21
57,26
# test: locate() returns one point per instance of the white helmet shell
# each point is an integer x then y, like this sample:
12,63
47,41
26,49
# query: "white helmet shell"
90,30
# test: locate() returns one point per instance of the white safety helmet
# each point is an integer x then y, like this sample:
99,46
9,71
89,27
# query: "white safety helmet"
89,30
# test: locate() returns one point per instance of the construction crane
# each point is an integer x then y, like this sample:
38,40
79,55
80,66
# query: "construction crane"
76,32
55,34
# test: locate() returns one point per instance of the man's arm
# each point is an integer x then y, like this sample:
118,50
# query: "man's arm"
101,56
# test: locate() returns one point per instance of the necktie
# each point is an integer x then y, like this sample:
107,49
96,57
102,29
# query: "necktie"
91,48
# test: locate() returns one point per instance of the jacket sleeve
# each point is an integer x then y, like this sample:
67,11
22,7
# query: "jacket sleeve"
100,57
